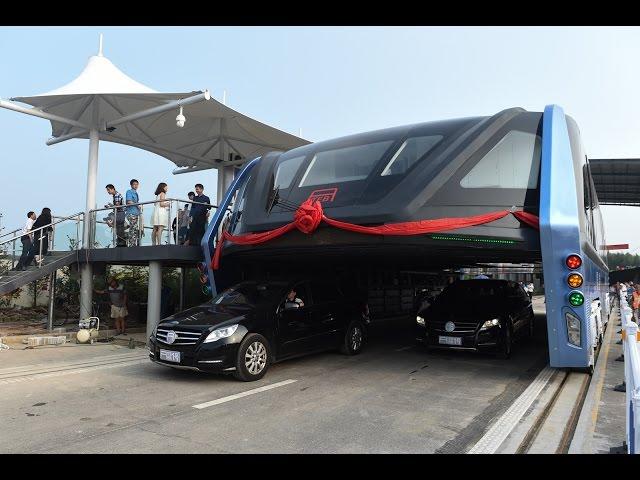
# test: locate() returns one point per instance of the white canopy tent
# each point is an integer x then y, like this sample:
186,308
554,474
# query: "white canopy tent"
103,103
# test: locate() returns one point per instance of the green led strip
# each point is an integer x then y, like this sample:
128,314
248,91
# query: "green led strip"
473,239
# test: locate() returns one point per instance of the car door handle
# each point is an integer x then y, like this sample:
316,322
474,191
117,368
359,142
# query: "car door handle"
292,324
327,319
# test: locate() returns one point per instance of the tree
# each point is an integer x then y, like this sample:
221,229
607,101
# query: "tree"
626,260
5,300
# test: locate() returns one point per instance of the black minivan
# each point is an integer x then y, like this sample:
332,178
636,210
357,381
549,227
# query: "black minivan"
247,327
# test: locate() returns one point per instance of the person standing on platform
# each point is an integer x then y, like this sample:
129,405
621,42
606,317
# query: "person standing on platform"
183,224
117,215
199,215
187,219
160,219
133,211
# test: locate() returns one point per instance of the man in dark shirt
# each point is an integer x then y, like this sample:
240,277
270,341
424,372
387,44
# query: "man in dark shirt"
199,214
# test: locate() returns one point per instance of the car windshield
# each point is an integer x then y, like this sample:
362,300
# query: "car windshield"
472,292
247,294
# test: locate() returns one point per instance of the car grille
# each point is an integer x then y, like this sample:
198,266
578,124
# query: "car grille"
183,337
461,327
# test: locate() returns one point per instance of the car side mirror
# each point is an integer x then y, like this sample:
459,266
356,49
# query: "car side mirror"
291,305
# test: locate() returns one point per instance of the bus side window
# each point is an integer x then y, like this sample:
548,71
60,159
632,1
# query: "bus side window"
586,186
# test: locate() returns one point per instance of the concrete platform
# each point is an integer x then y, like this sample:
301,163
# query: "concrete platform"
137,333
601,426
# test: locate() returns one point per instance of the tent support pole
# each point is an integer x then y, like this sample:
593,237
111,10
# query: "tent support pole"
86,287
39,113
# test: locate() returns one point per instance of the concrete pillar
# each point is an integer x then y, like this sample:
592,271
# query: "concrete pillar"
92,179
52,300
225,178
86,290
154,296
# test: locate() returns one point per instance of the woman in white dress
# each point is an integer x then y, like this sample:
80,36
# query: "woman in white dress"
160,218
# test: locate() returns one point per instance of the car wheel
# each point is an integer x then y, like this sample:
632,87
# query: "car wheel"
353,339
254,355
507,343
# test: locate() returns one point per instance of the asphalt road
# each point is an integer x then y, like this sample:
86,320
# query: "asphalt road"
392,398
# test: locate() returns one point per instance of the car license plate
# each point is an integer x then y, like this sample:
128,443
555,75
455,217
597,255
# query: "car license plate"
450,340
170,356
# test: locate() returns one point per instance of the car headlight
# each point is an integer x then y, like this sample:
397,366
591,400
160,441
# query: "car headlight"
219,333
420,320
490,323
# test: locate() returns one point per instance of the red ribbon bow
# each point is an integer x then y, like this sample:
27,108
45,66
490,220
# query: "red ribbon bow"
308,216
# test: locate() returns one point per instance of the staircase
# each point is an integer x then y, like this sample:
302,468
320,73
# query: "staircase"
16,279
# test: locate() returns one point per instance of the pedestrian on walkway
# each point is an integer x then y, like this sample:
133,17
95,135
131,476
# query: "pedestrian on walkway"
118,298
635,302
40,245
26,239
199,214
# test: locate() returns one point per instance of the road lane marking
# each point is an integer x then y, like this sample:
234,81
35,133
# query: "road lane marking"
40,368
404,348
59,373
500,430
242,394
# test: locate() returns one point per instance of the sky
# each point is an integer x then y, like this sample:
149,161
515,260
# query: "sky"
325,82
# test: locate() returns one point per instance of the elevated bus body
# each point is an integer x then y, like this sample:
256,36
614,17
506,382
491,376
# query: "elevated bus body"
515,160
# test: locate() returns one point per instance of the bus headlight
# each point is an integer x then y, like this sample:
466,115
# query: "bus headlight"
573,329
420,321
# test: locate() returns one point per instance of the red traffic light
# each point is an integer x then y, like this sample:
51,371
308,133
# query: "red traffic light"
574,261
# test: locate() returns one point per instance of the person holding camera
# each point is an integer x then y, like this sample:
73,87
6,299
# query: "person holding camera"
117,216
118,298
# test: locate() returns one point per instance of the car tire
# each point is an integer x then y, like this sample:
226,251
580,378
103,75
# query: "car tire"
506,347
254,357
532,327
353,340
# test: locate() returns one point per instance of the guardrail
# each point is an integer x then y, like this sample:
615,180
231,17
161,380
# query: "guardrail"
12,247
132,225
631,375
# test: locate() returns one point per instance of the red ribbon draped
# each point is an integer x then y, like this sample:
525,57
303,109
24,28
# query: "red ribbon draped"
310,215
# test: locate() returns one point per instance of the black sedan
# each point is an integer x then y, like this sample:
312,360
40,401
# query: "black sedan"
477,315
253,324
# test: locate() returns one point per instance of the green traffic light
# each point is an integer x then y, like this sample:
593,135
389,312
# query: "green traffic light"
576,299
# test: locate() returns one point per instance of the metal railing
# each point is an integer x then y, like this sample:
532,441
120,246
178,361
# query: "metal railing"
12,247
133,225
12,233
631,375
